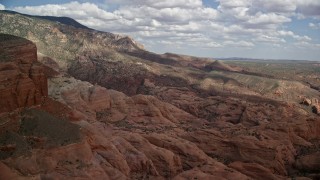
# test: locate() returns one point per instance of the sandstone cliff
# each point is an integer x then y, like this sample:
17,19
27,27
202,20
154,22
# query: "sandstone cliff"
22,81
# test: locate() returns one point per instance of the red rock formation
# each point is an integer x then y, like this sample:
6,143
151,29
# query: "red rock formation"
316,109
306,101
254,170
142,137
22,82
309,162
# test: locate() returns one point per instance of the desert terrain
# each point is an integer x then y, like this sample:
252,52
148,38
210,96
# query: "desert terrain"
77,103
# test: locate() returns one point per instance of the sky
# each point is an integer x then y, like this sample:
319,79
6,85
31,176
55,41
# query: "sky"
266,29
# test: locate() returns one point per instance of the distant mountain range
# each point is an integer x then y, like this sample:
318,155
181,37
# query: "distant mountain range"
255,59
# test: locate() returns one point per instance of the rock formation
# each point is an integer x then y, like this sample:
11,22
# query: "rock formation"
306,101
316,109
23,83
218,65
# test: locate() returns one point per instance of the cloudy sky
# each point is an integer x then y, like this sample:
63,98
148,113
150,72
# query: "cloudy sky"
276,29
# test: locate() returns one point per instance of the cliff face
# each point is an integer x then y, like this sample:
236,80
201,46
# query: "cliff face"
22,81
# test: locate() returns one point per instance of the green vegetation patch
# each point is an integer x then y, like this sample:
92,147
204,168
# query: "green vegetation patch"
54,131
13,145
38,129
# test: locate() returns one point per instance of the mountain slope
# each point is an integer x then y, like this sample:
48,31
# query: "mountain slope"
62,20
82,53
70,42
62,42
118,62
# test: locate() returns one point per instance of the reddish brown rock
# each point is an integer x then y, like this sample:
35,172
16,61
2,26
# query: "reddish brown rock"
316,109
247,129
7,173
22,81
16,49
306,101
309,162
255,170
211,170
167,163
124,77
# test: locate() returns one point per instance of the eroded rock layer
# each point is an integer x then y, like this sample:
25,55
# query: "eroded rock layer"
22,81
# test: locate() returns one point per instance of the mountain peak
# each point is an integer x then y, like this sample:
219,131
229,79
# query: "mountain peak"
219,65
128,43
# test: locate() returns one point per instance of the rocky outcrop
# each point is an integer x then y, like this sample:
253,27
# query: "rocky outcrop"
22,81
150,137
313,103
306,101
220,66
112,136
316,109
120,76
256,171
309,162
172,143
126,43
246,129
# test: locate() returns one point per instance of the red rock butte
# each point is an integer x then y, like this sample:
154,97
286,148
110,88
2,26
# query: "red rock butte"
23,83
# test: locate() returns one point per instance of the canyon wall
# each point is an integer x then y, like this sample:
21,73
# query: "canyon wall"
22,81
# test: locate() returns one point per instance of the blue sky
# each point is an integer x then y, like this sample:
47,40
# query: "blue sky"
269,29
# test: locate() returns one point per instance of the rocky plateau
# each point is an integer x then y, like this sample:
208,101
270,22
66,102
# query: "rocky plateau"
82,104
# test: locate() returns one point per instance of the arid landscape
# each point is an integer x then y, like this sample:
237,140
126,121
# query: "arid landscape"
78,103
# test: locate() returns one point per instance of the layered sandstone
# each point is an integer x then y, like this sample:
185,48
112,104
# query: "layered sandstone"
22,81
217,136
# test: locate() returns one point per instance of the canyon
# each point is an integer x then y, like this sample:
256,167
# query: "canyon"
78,103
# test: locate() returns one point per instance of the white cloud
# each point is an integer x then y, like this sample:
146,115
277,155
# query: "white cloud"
234,3
213,45
239,43
270,39
2,7
249,14
283,6
160,4
173,15
307,45
314,25
294,36
308,8
73,9
303,7
270,18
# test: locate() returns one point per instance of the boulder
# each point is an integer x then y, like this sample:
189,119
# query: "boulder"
306,101
316,109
